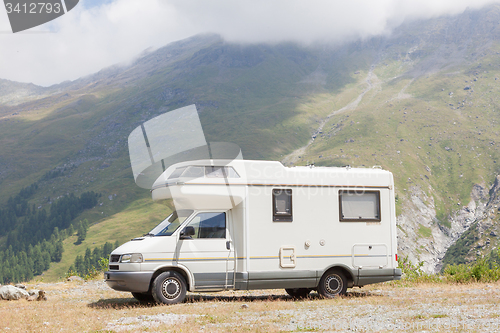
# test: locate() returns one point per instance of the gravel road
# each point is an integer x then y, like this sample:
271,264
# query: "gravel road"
92,306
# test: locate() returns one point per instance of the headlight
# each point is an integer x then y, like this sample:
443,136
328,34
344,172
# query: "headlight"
134,257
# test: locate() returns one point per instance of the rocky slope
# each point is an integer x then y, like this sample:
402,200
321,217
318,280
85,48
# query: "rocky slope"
480,239
422,238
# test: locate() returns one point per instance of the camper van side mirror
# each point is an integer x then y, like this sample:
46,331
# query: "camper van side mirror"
187,232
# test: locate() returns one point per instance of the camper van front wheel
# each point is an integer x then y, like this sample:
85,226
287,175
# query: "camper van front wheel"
333,283
169,288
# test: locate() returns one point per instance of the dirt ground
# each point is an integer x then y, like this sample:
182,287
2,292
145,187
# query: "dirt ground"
94,307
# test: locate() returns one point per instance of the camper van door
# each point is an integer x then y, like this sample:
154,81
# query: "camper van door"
206,250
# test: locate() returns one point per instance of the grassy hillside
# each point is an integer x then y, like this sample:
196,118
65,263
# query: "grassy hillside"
135,220
424,135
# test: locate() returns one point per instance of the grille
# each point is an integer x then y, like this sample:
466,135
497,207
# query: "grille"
114,258
114,267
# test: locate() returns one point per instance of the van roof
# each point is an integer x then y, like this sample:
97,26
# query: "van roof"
256,172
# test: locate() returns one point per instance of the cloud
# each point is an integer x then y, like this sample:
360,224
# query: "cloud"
96,35
86,40
314,20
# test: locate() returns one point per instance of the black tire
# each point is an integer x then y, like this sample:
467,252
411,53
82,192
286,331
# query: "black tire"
143,297
333,284
169,287
298,292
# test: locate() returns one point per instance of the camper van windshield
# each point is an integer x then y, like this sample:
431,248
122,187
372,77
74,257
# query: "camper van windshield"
171,223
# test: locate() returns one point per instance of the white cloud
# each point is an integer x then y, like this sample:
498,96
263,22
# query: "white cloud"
86,40
314,20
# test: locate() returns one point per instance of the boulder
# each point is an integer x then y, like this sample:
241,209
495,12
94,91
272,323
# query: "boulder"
41,296
38,295
33,292
75,278
12,293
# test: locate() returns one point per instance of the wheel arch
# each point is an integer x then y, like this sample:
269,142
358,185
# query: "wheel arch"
348,273
180,269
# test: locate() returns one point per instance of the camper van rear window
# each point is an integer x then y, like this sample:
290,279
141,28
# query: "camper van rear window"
356,206
282,205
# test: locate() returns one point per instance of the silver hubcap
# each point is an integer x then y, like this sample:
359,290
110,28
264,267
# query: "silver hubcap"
171,288
333,284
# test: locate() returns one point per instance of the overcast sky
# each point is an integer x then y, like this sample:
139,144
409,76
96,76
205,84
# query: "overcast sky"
100,33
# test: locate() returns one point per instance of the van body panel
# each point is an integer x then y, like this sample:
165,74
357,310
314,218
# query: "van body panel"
282,279
370,255
208,262
368,276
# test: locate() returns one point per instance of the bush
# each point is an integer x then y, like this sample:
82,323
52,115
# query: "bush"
410,271
413,272
92,272
458,273
483,270
103,264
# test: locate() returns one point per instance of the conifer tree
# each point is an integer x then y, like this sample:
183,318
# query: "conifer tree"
38,262
82,231
58,251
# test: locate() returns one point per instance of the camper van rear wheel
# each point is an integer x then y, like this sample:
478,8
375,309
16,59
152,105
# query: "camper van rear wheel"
169,288
333,283
298,292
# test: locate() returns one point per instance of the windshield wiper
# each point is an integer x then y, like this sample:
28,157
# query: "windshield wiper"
148,234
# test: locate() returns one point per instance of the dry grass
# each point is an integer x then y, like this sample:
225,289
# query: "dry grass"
93,307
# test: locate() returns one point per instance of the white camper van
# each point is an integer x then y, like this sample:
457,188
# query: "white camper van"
244,225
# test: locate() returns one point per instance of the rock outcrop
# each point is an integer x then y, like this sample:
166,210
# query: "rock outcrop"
10,293
423,238
17,292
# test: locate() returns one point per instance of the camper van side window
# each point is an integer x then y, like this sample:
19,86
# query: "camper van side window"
355,206
194,172
209,225
220,172
282,205
177,173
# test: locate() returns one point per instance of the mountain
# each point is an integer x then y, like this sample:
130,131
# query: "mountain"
421,103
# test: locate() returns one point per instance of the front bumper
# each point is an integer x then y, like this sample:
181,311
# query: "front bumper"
129,281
